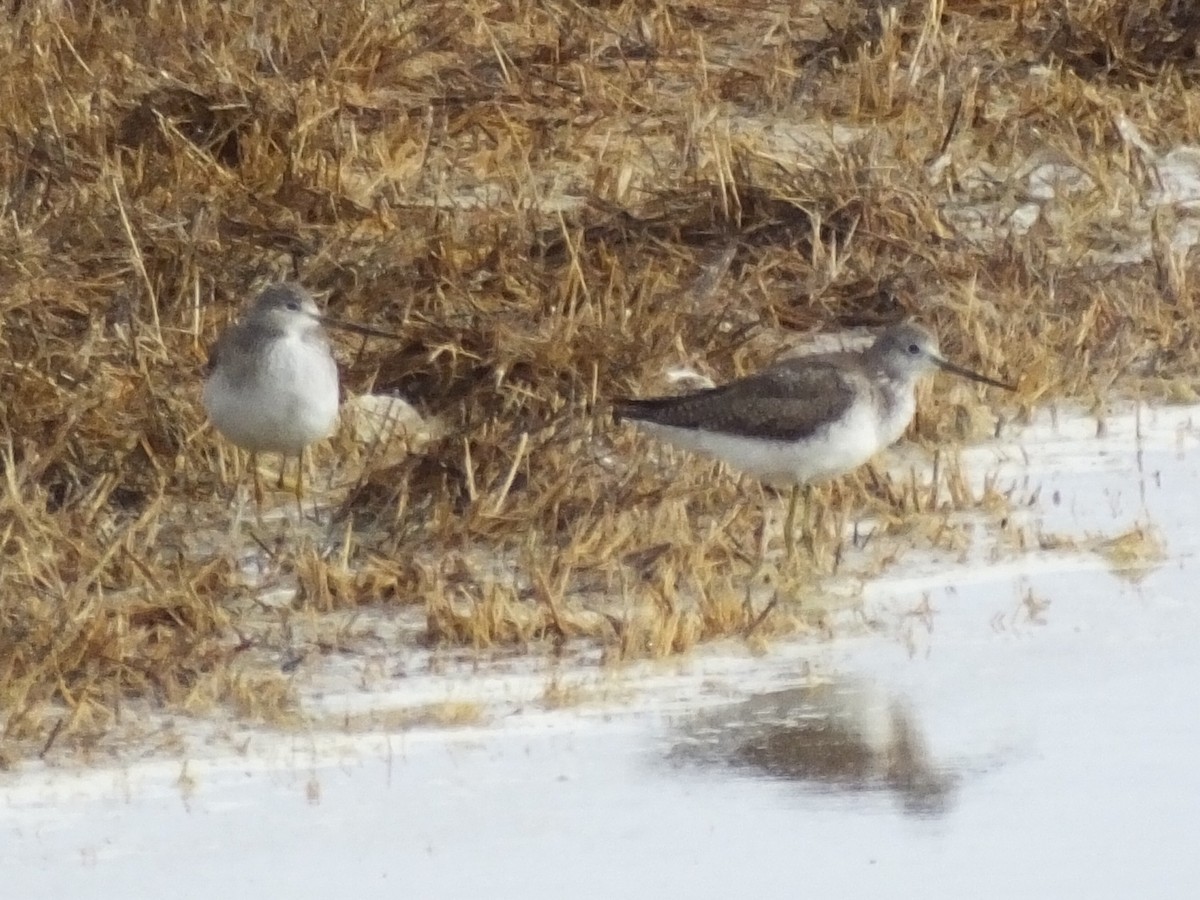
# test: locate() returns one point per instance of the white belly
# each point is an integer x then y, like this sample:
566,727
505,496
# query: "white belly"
283,405
844,445
894,421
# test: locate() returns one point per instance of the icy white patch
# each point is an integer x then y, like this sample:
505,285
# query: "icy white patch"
382,419
688,379
1177,174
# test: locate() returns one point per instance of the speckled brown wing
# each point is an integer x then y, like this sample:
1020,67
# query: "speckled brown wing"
785,402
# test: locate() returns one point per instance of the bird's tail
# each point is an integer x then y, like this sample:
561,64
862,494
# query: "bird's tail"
639,410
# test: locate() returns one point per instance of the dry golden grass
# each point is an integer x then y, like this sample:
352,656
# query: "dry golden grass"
553,203
1134,554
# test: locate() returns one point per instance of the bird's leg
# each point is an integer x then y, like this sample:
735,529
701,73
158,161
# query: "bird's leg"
789,524
764,544
258,488
806,525
764,534
235,483
299,483
282,471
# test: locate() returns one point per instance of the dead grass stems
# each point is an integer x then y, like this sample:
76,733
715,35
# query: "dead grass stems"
554,203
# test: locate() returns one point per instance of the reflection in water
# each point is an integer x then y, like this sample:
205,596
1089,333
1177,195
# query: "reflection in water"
839,737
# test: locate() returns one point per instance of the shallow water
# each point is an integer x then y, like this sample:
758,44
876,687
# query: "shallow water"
1015,722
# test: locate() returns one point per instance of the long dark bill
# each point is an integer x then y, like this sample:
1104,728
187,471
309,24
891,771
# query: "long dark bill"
357,329
950,367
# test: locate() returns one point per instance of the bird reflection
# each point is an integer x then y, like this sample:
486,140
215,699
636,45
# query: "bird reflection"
840,737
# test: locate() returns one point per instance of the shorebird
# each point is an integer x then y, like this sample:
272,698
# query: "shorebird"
272,382
807,418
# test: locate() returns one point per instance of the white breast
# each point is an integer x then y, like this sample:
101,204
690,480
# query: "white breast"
286,403
894,420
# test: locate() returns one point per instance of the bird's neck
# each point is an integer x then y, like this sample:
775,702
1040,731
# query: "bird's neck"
898,404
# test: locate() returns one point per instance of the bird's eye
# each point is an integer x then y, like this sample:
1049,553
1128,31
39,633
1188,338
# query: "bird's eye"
293,305
914,349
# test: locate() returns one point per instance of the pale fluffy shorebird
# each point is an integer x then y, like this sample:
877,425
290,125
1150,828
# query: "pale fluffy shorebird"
806,418
272,382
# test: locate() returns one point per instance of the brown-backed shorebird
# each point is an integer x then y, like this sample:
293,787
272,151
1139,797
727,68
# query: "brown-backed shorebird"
805,418
272,382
